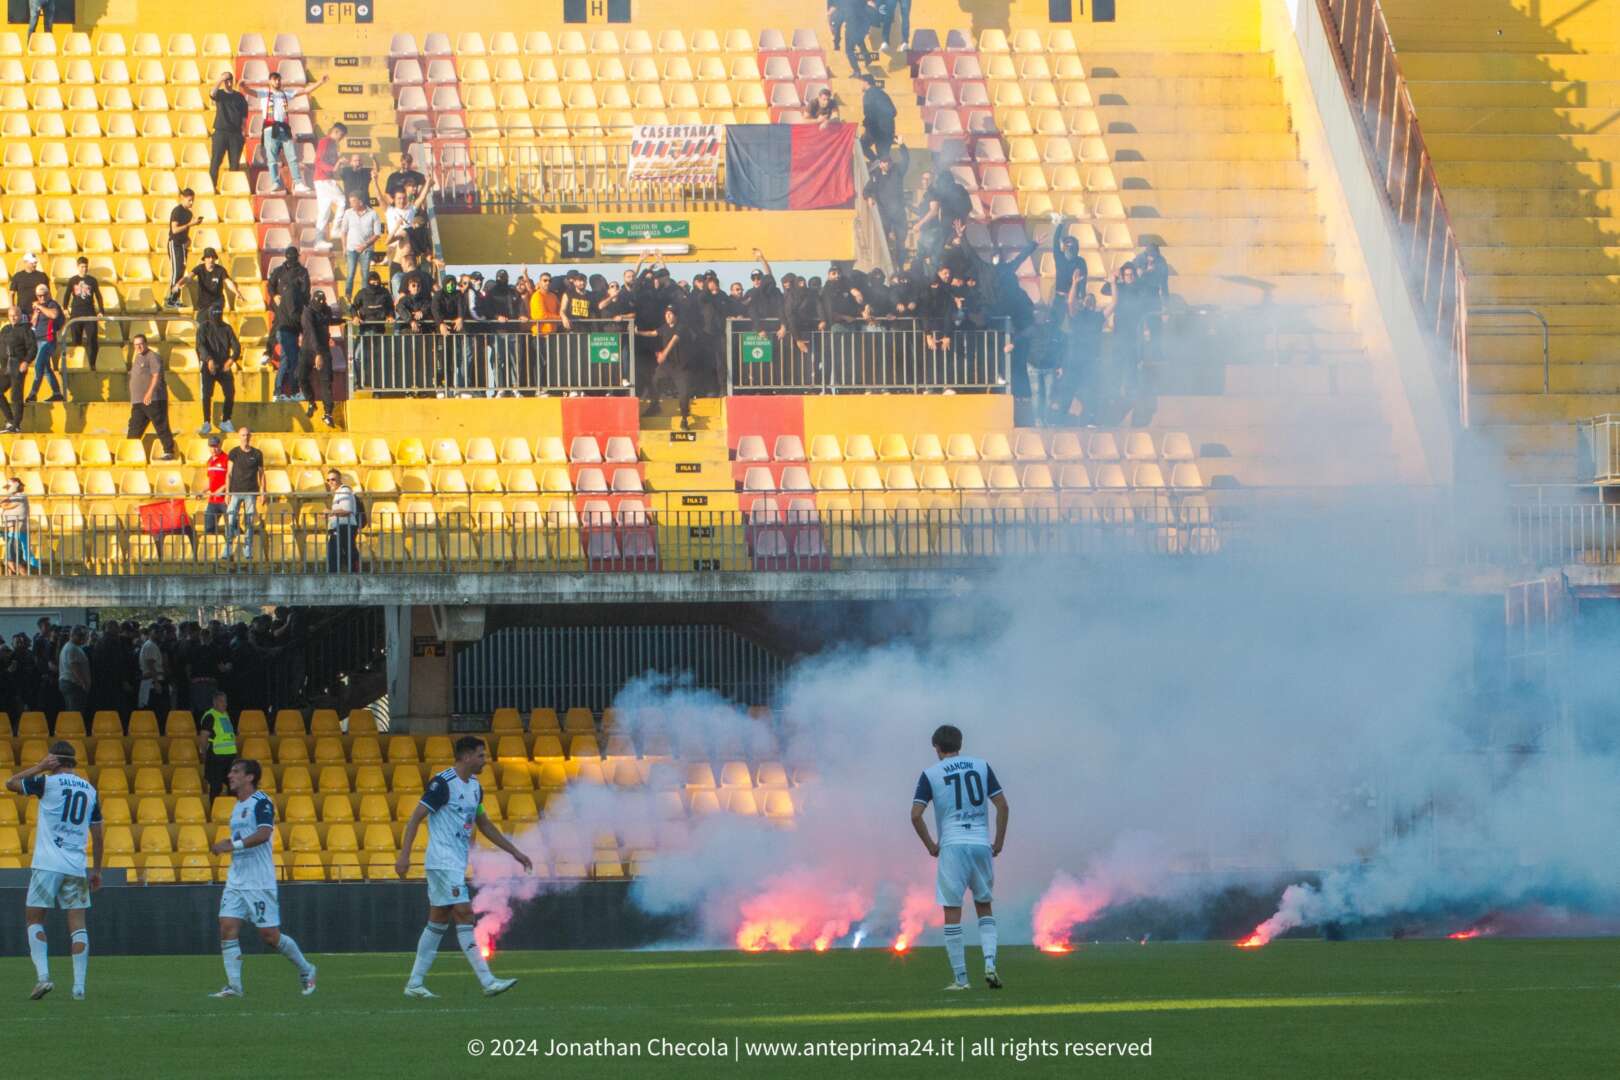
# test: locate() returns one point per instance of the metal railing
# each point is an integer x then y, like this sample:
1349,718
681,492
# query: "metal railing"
875,356
529,359
1546,335
499,172
1400,161
1597,449
1416,532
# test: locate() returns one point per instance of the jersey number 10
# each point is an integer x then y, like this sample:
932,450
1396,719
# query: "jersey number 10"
975,787
75,806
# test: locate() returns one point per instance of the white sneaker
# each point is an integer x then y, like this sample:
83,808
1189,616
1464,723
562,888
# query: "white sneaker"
324,245
227,992
499,986
308,981
226,426
41,988
78,993
417,990
991,979
204,430
957,986
302,189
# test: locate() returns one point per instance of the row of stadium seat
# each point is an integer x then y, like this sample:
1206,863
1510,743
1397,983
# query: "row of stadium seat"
179,723
26,451
1037,476
605,42
112,43
1020,445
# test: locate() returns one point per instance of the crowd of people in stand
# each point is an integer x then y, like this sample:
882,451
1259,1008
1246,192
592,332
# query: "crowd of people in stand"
159,666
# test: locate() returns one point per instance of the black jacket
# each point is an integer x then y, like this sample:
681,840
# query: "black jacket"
374,303
17,346
217,341
317,323
290,284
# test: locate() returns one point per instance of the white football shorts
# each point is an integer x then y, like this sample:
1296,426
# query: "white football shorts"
964,867
446,888
261,907
50,889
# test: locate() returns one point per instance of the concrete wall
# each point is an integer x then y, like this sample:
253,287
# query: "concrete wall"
366,917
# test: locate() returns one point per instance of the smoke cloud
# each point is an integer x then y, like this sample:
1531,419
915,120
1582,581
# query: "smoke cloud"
1163,728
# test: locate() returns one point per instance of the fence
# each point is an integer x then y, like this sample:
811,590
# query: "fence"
1597,452
596,358
507,174
1399,158
1421,531
878,356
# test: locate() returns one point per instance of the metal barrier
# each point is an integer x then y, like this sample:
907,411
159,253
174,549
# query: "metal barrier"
1546,336
1597,449
877,356
595,359
1400,160
497,172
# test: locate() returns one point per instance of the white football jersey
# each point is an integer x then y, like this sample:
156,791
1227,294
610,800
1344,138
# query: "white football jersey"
453,805
960,789
67,805
254,867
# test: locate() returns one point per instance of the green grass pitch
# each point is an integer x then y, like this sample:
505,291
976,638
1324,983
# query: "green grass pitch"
1297,1009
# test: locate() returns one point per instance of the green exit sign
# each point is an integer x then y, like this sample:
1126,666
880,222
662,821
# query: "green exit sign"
644,230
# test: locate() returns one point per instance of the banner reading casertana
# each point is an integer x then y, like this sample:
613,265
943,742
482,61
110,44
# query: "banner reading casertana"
675,153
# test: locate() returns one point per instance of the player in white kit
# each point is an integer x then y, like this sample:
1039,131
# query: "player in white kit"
69,814
453,804
250,887
961,789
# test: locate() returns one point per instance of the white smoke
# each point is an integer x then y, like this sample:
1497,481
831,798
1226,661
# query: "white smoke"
1162,728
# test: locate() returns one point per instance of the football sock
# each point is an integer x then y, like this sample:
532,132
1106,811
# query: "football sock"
475,956
289,948
36,951
956,951
426,949
231,950
987,940
81,957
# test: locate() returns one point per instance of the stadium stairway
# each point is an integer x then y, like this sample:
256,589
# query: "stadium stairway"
1517,106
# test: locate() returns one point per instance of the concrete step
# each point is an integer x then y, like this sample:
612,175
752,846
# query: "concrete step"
1252,262
1603,94
1135,91
1101,66
1523,26
1531,202
1561,261
1493,66
1542,408
1200,175
1220,119
1295,415
1201,146
1536,289
1523,174
1183,203
1529,439
1539,231
1572,148
185,416
689,475
1517,340
1526,378
1531,118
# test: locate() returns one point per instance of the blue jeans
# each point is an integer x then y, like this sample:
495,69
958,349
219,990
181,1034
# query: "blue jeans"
356,260
284,149
238,504
287,374
38,9
44,370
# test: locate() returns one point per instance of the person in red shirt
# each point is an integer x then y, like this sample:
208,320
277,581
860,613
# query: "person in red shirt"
329,200
218,468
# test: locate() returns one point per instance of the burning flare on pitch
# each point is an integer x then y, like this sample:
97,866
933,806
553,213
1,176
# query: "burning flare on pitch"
797,911
1067,903
917,913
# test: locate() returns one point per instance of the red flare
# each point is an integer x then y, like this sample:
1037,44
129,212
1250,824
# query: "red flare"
1066,904
797,911
1470,934
1058,948
1253,941
485,951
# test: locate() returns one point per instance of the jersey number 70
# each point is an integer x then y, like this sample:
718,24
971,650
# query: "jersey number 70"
975,787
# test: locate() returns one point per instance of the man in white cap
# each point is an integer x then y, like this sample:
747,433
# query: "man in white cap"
25,281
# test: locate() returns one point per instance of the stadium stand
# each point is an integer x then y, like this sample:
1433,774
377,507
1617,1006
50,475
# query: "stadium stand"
343,789
1514,106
